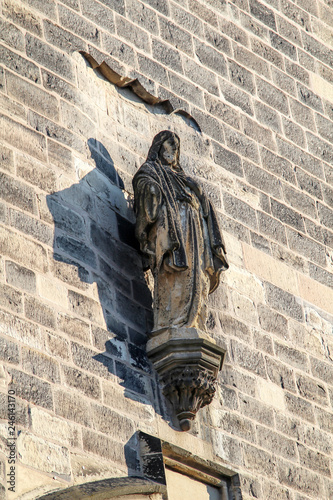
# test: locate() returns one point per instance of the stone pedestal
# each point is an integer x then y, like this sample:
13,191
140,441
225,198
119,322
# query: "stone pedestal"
187,361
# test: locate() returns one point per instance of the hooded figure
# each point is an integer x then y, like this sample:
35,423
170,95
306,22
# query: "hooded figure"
177,228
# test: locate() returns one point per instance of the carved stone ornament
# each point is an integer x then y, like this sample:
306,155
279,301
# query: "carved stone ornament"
178,232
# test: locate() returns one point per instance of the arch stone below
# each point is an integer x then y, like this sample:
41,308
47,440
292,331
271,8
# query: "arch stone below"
121,488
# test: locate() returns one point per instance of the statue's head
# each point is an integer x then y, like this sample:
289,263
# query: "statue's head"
166,148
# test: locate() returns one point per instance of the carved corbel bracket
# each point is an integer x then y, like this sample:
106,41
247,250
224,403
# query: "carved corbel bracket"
188,362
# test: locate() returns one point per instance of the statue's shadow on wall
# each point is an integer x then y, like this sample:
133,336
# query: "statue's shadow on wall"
94,241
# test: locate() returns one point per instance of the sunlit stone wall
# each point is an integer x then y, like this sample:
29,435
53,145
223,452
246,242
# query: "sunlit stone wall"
257,78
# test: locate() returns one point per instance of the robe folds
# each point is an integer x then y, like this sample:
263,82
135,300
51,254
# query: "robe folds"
177,228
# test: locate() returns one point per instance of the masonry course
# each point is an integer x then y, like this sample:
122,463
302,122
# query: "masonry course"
75,303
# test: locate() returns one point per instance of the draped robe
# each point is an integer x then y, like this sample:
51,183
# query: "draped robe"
177,228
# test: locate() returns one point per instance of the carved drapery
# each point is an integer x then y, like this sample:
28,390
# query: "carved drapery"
178,232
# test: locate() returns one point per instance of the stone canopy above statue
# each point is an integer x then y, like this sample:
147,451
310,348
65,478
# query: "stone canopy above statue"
178,232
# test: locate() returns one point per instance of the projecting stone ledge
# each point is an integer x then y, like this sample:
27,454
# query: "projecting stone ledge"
187,361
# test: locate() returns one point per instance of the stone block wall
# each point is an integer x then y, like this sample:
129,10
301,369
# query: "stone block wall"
75,303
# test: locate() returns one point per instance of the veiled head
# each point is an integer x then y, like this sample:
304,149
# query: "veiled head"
165,147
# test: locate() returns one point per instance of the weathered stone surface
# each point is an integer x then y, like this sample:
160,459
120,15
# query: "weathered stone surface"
250,60
88,384
104,341
235,328
52,291
111,423
240,210
277,165
256,410
255,456
222,111
7,158
249,359
281,375
322,370
11,35
41,365
49,427
325,215
74,327
61,38
266,52
49,57
21,410
55,131
24,331
300,479
312,390
272,96
257,77
311,290
186,91
300,407
186,20
45,456
236,96
39,312
307,247
70,272
176,36
263,342
16,193
28,225
32,96
84,306
228,448
133,380
263,13
273,322
203,77
112,397
244,308
13,108
236,425
283,302
271,394
65,218
57,346
271,227
250,486
228,398
103,446
140,14
22,137
32,389
19,64
11,298
72,407
289,426
139,37
284,82
292,356
300,158
9,351
316,461
262,134
89,360
35,173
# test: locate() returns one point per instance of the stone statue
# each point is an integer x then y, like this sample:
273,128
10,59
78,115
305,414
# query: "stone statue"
177,228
